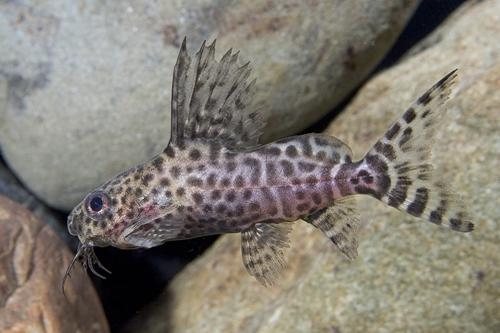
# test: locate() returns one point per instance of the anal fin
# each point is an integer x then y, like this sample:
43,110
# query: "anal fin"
339,223
263,249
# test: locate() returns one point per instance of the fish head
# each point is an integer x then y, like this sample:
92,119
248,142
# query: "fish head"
91,219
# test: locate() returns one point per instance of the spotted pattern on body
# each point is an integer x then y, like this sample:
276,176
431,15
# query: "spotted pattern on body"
214,177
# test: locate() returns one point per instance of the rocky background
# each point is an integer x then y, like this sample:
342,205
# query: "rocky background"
84,93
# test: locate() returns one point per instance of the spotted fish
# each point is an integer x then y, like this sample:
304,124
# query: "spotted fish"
214,177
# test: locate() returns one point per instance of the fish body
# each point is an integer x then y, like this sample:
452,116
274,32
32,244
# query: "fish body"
214,177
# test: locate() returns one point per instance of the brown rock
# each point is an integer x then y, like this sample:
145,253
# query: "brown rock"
410,275
32,263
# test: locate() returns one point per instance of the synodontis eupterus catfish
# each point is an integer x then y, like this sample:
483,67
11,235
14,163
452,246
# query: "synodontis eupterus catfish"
214,177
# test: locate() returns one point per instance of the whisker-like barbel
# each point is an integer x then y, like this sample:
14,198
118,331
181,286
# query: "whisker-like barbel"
88,258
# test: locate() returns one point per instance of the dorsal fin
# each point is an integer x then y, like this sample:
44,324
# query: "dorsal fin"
210,100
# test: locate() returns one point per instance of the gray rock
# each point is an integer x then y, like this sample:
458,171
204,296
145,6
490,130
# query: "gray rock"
86,85
410,275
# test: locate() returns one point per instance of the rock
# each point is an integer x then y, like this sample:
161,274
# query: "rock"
32,262
87,84
12,189
410,275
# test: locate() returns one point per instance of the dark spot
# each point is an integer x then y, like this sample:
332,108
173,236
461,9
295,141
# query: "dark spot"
409,115
271,173
303,206
426,113
240,210
273,151
386,149
306,167
251,162
306,146
138,192
194,154
311,180
147,178
287,168
365,176
198,198
215,195
239,181
254,206
207,208
321,155
273,210
316,198
247,194
180,191
226,182
212,179
417,207
194,181
158,163
406,136
220,208
393,131
300,194
398,194
170,151
320,141
175,171
296,181
425,98
230,196
376,163
291,151
355,180
230,166
164,182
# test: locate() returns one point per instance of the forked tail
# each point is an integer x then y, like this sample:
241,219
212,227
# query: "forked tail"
400,161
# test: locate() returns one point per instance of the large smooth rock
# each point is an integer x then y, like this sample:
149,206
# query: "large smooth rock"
410,275
32,263
87,84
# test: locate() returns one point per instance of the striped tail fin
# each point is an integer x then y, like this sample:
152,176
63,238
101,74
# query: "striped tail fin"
401,161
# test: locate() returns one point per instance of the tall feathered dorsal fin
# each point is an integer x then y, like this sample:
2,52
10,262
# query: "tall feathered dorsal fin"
210,100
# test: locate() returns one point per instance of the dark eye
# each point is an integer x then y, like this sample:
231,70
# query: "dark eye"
96,204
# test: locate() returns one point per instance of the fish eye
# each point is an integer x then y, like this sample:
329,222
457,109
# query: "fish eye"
96,204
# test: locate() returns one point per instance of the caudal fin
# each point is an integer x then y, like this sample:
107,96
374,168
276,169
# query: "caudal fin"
401,160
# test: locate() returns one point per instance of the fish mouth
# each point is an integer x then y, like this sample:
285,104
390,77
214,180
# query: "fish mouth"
88,259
